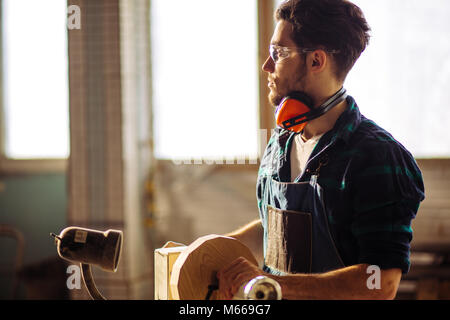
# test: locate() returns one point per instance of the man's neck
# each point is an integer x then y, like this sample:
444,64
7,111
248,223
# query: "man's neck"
324,123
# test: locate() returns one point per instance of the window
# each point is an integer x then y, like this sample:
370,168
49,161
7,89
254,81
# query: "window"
402,80
34,79
205,79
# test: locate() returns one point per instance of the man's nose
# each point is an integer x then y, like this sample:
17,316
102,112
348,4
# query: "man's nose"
269,65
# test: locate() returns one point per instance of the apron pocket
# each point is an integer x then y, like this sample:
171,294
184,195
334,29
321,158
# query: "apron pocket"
289,241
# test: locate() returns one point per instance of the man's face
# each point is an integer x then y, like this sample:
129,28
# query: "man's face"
288,74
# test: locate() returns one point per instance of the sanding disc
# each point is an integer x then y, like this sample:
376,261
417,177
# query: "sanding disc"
196,267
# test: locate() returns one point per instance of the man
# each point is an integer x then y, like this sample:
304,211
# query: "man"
337,199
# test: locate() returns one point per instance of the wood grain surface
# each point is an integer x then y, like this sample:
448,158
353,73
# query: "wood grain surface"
196,267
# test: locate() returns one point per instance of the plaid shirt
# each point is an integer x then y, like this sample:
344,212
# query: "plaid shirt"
372,188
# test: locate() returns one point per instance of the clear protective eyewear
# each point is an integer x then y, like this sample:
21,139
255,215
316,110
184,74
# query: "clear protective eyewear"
278,53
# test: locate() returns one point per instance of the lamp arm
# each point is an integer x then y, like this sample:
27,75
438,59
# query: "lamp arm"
89,282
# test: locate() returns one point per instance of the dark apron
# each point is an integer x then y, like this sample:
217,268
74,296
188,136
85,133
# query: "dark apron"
297,238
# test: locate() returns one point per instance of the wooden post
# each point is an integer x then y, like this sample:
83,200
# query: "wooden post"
165,258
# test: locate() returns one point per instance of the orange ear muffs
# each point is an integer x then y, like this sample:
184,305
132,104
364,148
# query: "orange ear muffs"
293,110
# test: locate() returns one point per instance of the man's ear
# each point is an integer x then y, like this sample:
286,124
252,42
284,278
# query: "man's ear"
319,60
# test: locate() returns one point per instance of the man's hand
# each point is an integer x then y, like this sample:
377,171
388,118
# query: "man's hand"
234,275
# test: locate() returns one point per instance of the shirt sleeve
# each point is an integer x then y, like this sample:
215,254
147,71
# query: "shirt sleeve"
388,188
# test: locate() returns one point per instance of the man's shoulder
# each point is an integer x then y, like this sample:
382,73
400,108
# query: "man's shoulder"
379,152
375,140
363,134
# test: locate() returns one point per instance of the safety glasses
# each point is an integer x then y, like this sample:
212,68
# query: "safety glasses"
278,53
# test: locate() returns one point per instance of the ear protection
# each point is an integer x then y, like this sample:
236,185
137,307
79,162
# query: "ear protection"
296,109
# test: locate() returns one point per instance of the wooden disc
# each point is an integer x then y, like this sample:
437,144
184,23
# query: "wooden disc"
196,267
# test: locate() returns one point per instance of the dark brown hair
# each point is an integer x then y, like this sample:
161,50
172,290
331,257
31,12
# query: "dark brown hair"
328,24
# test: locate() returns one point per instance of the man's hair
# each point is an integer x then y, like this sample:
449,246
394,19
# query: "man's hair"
328,24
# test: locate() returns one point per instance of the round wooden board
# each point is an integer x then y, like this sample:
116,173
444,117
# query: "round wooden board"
196,267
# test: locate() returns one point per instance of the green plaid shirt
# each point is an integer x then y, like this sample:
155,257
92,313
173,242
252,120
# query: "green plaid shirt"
372,188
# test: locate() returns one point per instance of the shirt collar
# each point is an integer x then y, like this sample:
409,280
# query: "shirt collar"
348,121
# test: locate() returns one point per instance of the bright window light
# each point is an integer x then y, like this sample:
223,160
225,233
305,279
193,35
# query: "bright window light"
35,79
205,79
402,80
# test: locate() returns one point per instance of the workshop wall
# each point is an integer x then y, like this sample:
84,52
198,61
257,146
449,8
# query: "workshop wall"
432,223
35,205
196,200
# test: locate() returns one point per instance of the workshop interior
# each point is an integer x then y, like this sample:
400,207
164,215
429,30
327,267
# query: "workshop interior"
131,133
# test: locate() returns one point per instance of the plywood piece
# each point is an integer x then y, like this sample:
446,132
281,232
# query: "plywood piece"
197,266
165,258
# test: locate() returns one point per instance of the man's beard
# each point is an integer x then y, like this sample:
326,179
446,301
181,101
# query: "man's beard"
275,97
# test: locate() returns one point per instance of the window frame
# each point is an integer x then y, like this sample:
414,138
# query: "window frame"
22,166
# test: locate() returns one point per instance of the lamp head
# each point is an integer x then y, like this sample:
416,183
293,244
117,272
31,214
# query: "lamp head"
102,249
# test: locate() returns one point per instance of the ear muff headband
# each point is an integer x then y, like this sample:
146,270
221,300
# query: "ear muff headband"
296,110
